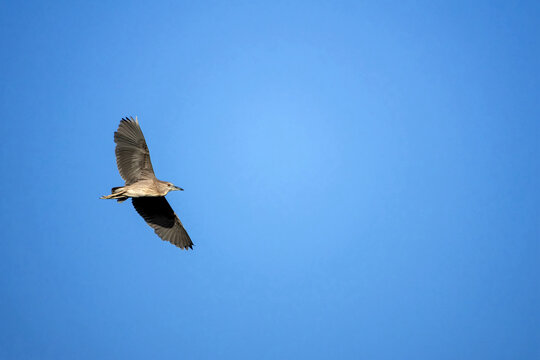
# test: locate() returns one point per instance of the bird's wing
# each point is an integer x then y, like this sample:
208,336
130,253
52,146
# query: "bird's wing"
132,155
157,213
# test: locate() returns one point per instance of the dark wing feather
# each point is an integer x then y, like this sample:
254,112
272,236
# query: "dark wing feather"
157,212
132,155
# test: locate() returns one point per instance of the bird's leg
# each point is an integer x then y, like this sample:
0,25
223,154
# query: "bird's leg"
118,193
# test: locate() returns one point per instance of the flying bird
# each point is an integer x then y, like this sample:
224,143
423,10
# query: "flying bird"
147,193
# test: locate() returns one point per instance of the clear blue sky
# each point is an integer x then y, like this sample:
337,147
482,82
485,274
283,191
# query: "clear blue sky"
362,180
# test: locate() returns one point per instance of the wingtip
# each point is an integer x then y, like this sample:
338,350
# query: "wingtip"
187,247
128,118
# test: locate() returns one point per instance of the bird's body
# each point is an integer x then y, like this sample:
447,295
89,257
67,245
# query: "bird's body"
147,192
141,188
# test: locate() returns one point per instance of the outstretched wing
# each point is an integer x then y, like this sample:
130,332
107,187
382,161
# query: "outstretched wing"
157,213
132,155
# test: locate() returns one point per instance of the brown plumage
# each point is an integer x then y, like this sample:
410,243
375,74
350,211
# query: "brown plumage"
147,192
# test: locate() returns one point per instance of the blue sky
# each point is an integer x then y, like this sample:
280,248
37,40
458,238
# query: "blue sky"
361,180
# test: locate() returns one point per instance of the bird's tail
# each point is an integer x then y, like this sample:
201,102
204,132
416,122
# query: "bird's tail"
118,193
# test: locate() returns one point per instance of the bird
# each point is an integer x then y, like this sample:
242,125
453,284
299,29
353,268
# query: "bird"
147,193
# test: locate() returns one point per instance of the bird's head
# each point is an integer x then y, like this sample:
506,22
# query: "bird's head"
172,187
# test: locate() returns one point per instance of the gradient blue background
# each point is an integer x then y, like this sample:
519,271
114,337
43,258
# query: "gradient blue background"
361,180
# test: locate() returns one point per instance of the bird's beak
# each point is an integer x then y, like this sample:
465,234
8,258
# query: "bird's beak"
178,188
